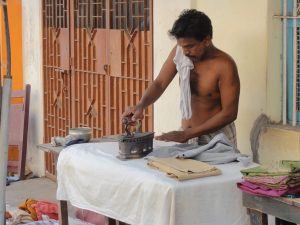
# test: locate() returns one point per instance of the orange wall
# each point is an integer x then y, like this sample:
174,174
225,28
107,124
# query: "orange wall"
15,28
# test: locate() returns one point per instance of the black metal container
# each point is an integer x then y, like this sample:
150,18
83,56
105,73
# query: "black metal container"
133,145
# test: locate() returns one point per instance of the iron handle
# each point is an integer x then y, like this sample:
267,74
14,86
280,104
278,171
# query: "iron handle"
127,122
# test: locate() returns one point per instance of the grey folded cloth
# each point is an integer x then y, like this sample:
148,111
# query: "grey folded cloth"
66,141
219,150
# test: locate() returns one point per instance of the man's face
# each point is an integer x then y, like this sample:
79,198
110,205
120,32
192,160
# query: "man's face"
193,48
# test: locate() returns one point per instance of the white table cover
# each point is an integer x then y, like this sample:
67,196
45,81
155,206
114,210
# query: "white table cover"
91,177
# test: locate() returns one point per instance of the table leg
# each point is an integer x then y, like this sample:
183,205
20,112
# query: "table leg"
63,213
111,221
257,217
283,222
121,223
115,222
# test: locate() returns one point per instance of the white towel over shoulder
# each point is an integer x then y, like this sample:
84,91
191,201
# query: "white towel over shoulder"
183,66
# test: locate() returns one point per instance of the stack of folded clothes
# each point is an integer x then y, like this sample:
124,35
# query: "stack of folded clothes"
280,179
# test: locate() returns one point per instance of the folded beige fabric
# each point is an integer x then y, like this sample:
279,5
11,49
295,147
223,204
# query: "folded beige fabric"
18,217
183,169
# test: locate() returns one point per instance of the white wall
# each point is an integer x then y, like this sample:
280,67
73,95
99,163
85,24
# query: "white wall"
274,69
32,69
166,109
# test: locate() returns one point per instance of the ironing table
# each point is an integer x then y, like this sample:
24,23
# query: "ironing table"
90,176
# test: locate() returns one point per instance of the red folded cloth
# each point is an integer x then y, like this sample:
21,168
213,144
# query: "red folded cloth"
260,190
49,209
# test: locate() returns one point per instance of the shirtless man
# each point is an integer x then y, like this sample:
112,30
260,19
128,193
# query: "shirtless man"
214,82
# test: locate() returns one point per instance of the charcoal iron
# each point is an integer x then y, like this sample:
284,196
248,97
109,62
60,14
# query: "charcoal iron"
133,145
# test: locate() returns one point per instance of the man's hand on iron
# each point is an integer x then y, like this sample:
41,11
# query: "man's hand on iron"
134,113
177,136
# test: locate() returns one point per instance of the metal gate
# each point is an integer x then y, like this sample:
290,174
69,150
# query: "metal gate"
97,60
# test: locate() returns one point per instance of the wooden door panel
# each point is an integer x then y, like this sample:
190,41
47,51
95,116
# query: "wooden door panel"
115,52
90,107
130,58
89,93
89,80
129,76
56,68
63,48
126,92
56,52
57,102
130,73
97,64
101,51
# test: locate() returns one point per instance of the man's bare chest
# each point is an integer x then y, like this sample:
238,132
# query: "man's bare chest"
204,83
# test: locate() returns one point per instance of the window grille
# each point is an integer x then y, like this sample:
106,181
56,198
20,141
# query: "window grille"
291,61
129,14
56,13
90,13
298,71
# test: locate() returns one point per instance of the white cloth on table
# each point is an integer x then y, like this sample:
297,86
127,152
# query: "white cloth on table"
91,177
183,66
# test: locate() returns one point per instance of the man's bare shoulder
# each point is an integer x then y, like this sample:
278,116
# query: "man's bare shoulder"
225,64
224,58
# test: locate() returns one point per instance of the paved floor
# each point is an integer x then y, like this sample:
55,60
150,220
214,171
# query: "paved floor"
37,188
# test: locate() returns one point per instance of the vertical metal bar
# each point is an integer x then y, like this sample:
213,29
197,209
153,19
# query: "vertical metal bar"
4,141
103,9
91,14
120,25
150,63
294,63
54,14
71,26
79,74
5,110
110,17
58,18
144,77
284,103
86,6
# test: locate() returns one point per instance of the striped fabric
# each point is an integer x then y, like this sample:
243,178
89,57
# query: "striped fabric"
229,130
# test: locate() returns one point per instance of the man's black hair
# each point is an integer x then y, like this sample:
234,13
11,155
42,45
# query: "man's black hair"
192,24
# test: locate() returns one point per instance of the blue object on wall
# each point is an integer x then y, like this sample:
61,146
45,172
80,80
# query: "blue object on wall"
289,58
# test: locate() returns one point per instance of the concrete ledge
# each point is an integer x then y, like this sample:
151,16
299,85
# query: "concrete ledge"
279,142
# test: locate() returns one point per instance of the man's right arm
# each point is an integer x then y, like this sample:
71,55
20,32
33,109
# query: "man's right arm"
155,90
